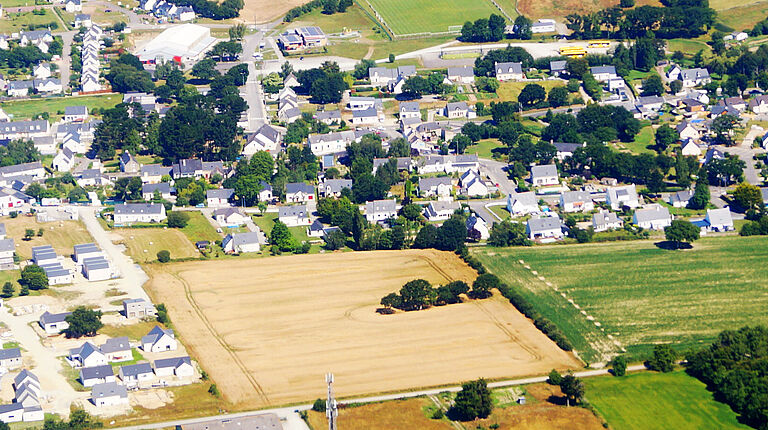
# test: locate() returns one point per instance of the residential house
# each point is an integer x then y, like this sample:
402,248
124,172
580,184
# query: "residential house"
333,187
299,192
83,20
565,150
544,175
129,213
53,324
367,116
48,85
75,113
380,210
737,103
109,394
576,201
687,131
73,6
93,177
558,68
759,104
605,220
254,422
45,145
219,197
692,105
87,355
403,164
619,197
477,229
153,173
159,340
230,217
440,210
266,138
474,186
331,143
19,88
196,168
690,147
543,25
265,195
64,161
90,376
458,110
719,220
329,117
409,110
35,36
382,76
241,242
652,217
547,228
177,366
519,204
10,358
138,308
650,103
694,77
293,216
128,163
604,73
164,189
509,71
15,130
42,71
132,374
84,251
680,199
362,103
316,229
290,81
435,187
11,412
117,349
461,75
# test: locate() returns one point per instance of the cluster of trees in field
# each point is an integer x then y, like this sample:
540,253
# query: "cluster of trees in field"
212,9
734,368
678,18
329,8
324,84
420,294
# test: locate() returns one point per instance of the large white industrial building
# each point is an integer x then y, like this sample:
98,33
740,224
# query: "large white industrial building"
185,43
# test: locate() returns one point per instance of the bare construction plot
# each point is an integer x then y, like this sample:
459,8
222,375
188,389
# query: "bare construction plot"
267,330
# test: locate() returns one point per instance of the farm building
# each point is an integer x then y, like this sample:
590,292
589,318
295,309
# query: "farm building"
54,323
109,394
185,43
177,366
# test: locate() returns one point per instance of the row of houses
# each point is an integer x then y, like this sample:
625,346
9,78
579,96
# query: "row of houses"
89,55
26,403
164,10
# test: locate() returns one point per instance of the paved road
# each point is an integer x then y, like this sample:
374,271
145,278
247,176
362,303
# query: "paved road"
479,207
537,50
254,94
285,412
65,64
496,170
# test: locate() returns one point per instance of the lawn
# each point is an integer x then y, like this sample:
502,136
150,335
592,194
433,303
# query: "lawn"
15,22
408,16
143,244
741,14
640,294
648,401
61,235
642,142
266,221
198,228
25,109
500,211
508,91
688,46
133,331
484,148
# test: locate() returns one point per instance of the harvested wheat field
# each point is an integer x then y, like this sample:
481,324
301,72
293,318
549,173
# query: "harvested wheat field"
267,330
262,11
561,8
396,414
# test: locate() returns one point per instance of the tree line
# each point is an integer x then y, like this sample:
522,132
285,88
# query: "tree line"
329,8
212,9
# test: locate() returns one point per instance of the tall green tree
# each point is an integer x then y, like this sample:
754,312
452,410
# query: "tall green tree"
473,401
681,231
83,322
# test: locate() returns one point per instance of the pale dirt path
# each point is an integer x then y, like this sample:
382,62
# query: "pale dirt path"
369,54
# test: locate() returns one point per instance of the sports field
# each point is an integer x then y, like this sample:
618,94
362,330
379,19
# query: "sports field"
640,294
650,401
420,16
143,244
267,330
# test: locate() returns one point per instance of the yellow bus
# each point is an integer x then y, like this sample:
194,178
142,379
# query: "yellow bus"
573,51
599,44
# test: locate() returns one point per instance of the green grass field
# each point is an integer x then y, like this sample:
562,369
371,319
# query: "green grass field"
267,221
640,294
508,91
143,244
14,22
740,14
484,148
198,228
649,401
419,16
55,105
642,141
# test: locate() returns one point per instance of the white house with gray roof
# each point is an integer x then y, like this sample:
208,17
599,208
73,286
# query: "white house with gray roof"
329,117
457,110
440,210
619,197
299,192
219,197
333,187
694,77
130,213
719,220
519,204
293,216
543,229
117,349
382,76
109,394
7,249
605,220
177,366
53,324
241,242
509,71
159,340
10,358
380,210
138,308
133,374
544,175
435,187
410,110
266,138
87,355
652,217
604,73
680,199
576,201
75,113
90,376
162,188
24,129
461,75
230,217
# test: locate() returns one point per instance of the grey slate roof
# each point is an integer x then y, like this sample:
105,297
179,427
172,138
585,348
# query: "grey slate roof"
17,168
245,238
576,196
504,68
380,206
542,224
172,362
138,208
49,318
156,333
163,187
652,214
116,344
295,187
7,245
220,193
75,110
110,389
136,369
557,66
693,74
719,216
155,170
23,375
291,211
336,185
6,354
463,72
96,372
428,183
10,407
411,107
604,218
603,69
547,170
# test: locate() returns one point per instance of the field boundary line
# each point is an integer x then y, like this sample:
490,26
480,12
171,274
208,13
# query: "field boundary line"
506,331
390,34
219,339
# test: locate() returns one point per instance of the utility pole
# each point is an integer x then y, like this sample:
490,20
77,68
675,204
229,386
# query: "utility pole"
331,407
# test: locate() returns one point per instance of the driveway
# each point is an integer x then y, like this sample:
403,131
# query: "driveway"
65,64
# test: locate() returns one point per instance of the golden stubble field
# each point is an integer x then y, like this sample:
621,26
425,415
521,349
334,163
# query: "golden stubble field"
267,330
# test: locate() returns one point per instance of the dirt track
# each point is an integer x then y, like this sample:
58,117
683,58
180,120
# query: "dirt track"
267,330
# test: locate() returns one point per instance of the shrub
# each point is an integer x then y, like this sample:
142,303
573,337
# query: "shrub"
178,219
164,256
319,405
554,378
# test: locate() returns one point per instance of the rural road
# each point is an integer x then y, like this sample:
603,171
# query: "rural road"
286,413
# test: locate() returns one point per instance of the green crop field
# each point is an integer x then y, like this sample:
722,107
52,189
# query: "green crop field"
638,293
649,401
25,109
419,16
